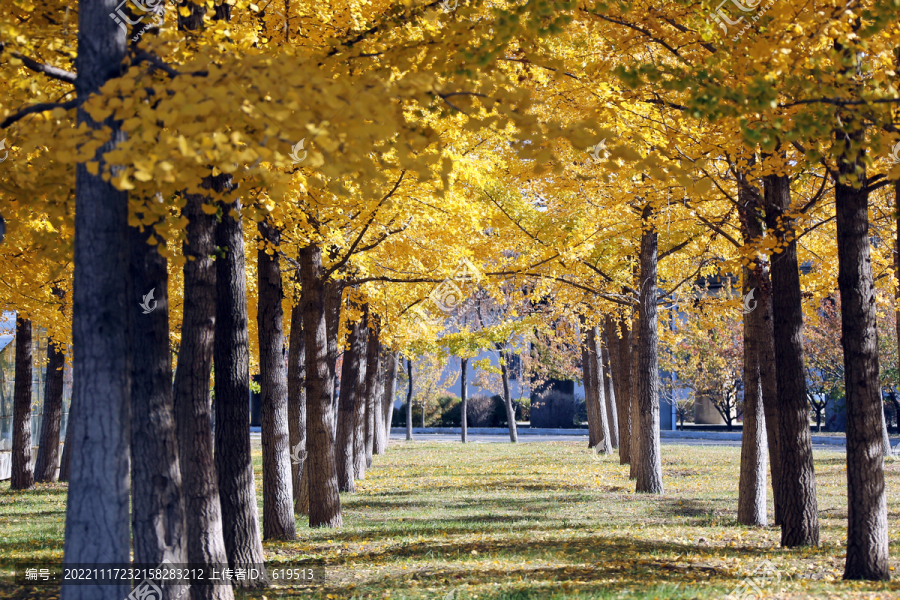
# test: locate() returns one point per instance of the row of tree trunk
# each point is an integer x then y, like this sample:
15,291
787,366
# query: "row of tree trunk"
368,384
599,400
776,415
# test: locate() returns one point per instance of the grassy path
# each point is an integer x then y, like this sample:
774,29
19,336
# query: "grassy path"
542,520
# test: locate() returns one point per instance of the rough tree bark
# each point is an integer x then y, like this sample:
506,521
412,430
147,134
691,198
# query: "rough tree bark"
621,381
464,396
598,393
611,408
203,511
507,399
324,500
409,396
800,521
48,446
278,510
346,431
390,390
649,475
157,514
752,481
373,355
22,473
867,525
296,379
97,518
232,388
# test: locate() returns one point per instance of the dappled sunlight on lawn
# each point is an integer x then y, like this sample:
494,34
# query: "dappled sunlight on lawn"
540,520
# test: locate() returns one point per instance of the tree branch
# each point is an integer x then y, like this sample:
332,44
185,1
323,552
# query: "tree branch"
365,228
36,108
38,67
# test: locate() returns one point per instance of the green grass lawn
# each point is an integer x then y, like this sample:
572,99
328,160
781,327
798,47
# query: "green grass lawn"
536,520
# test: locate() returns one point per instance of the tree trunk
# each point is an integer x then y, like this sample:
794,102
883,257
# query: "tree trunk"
22,474
409,396
635,394
66,459
346,431
611,408
464,397
334,291
296,380
867,526
390,390
507,400
887,450
234,466
897,275
193,415
588,378
373,354
360,401
597,391
324,500
278,510
896,404
157,503
621,380
649,475
800,521
752,481
48,448
378,404
769,384
97,517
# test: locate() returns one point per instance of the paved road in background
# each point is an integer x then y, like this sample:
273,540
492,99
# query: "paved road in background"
531,438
